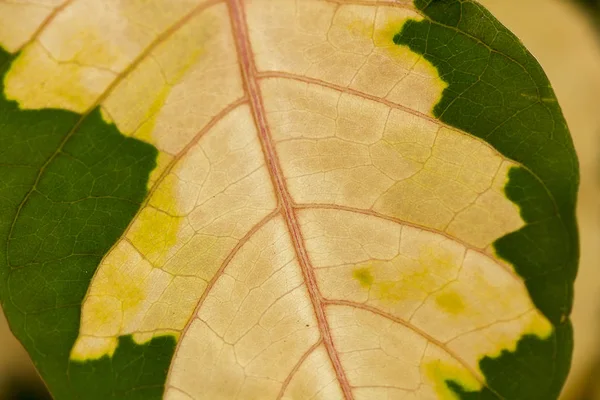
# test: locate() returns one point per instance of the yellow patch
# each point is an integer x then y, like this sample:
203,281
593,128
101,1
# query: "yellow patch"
451,302
117,280
36,80
363,276
97,50
423,78
439,372
383,37
162,162
92,348
536,324
391,291
125,286
145,337
382,33
539,326
102,315
401,278
144,132
155,229
436,259
153,233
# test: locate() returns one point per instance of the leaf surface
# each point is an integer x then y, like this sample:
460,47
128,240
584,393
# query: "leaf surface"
284,199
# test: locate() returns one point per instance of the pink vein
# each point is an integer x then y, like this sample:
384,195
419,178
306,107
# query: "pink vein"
391,104
249,74
343,89
214,279
372,213
410,326
222,114
288,379
47,21
166,172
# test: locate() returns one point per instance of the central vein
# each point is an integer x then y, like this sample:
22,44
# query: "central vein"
252,87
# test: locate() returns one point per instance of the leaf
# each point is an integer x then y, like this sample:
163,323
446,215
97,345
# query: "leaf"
291,199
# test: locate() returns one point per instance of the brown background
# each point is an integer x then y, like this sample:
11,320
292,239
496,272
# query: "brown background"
566,43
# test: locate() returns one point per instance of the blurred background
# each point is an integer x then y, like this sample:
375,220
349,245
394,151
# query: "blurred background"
564,35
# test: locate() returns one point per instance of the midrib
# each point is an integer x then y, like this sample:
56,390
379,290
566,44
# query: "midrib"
248,69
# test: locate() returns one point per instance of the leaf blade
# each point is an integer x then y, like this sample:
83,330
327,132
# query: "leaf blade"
504,246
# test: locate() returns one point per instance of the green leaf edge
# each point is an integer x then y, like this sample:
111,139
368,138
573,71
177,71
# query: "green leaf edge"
42,302
545,252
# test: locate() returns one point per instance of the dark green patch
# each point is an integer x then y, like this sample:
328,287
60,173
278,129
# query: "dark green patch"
64,201
498,92
145,368
527,380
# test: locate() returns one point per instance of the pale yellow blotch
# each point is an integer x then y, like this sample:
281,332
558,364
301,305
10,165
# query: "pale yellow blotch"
144,132
82,51
393,71
124,287
538,325
153,233
534,323
195,216
163,160
160,225
459,296
459,189
348,45
117,278
182,295
156,229
439,371
73,61
92,348
403,282
493,340
105,313
159,101
145,337
495,311
36,80
451,302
